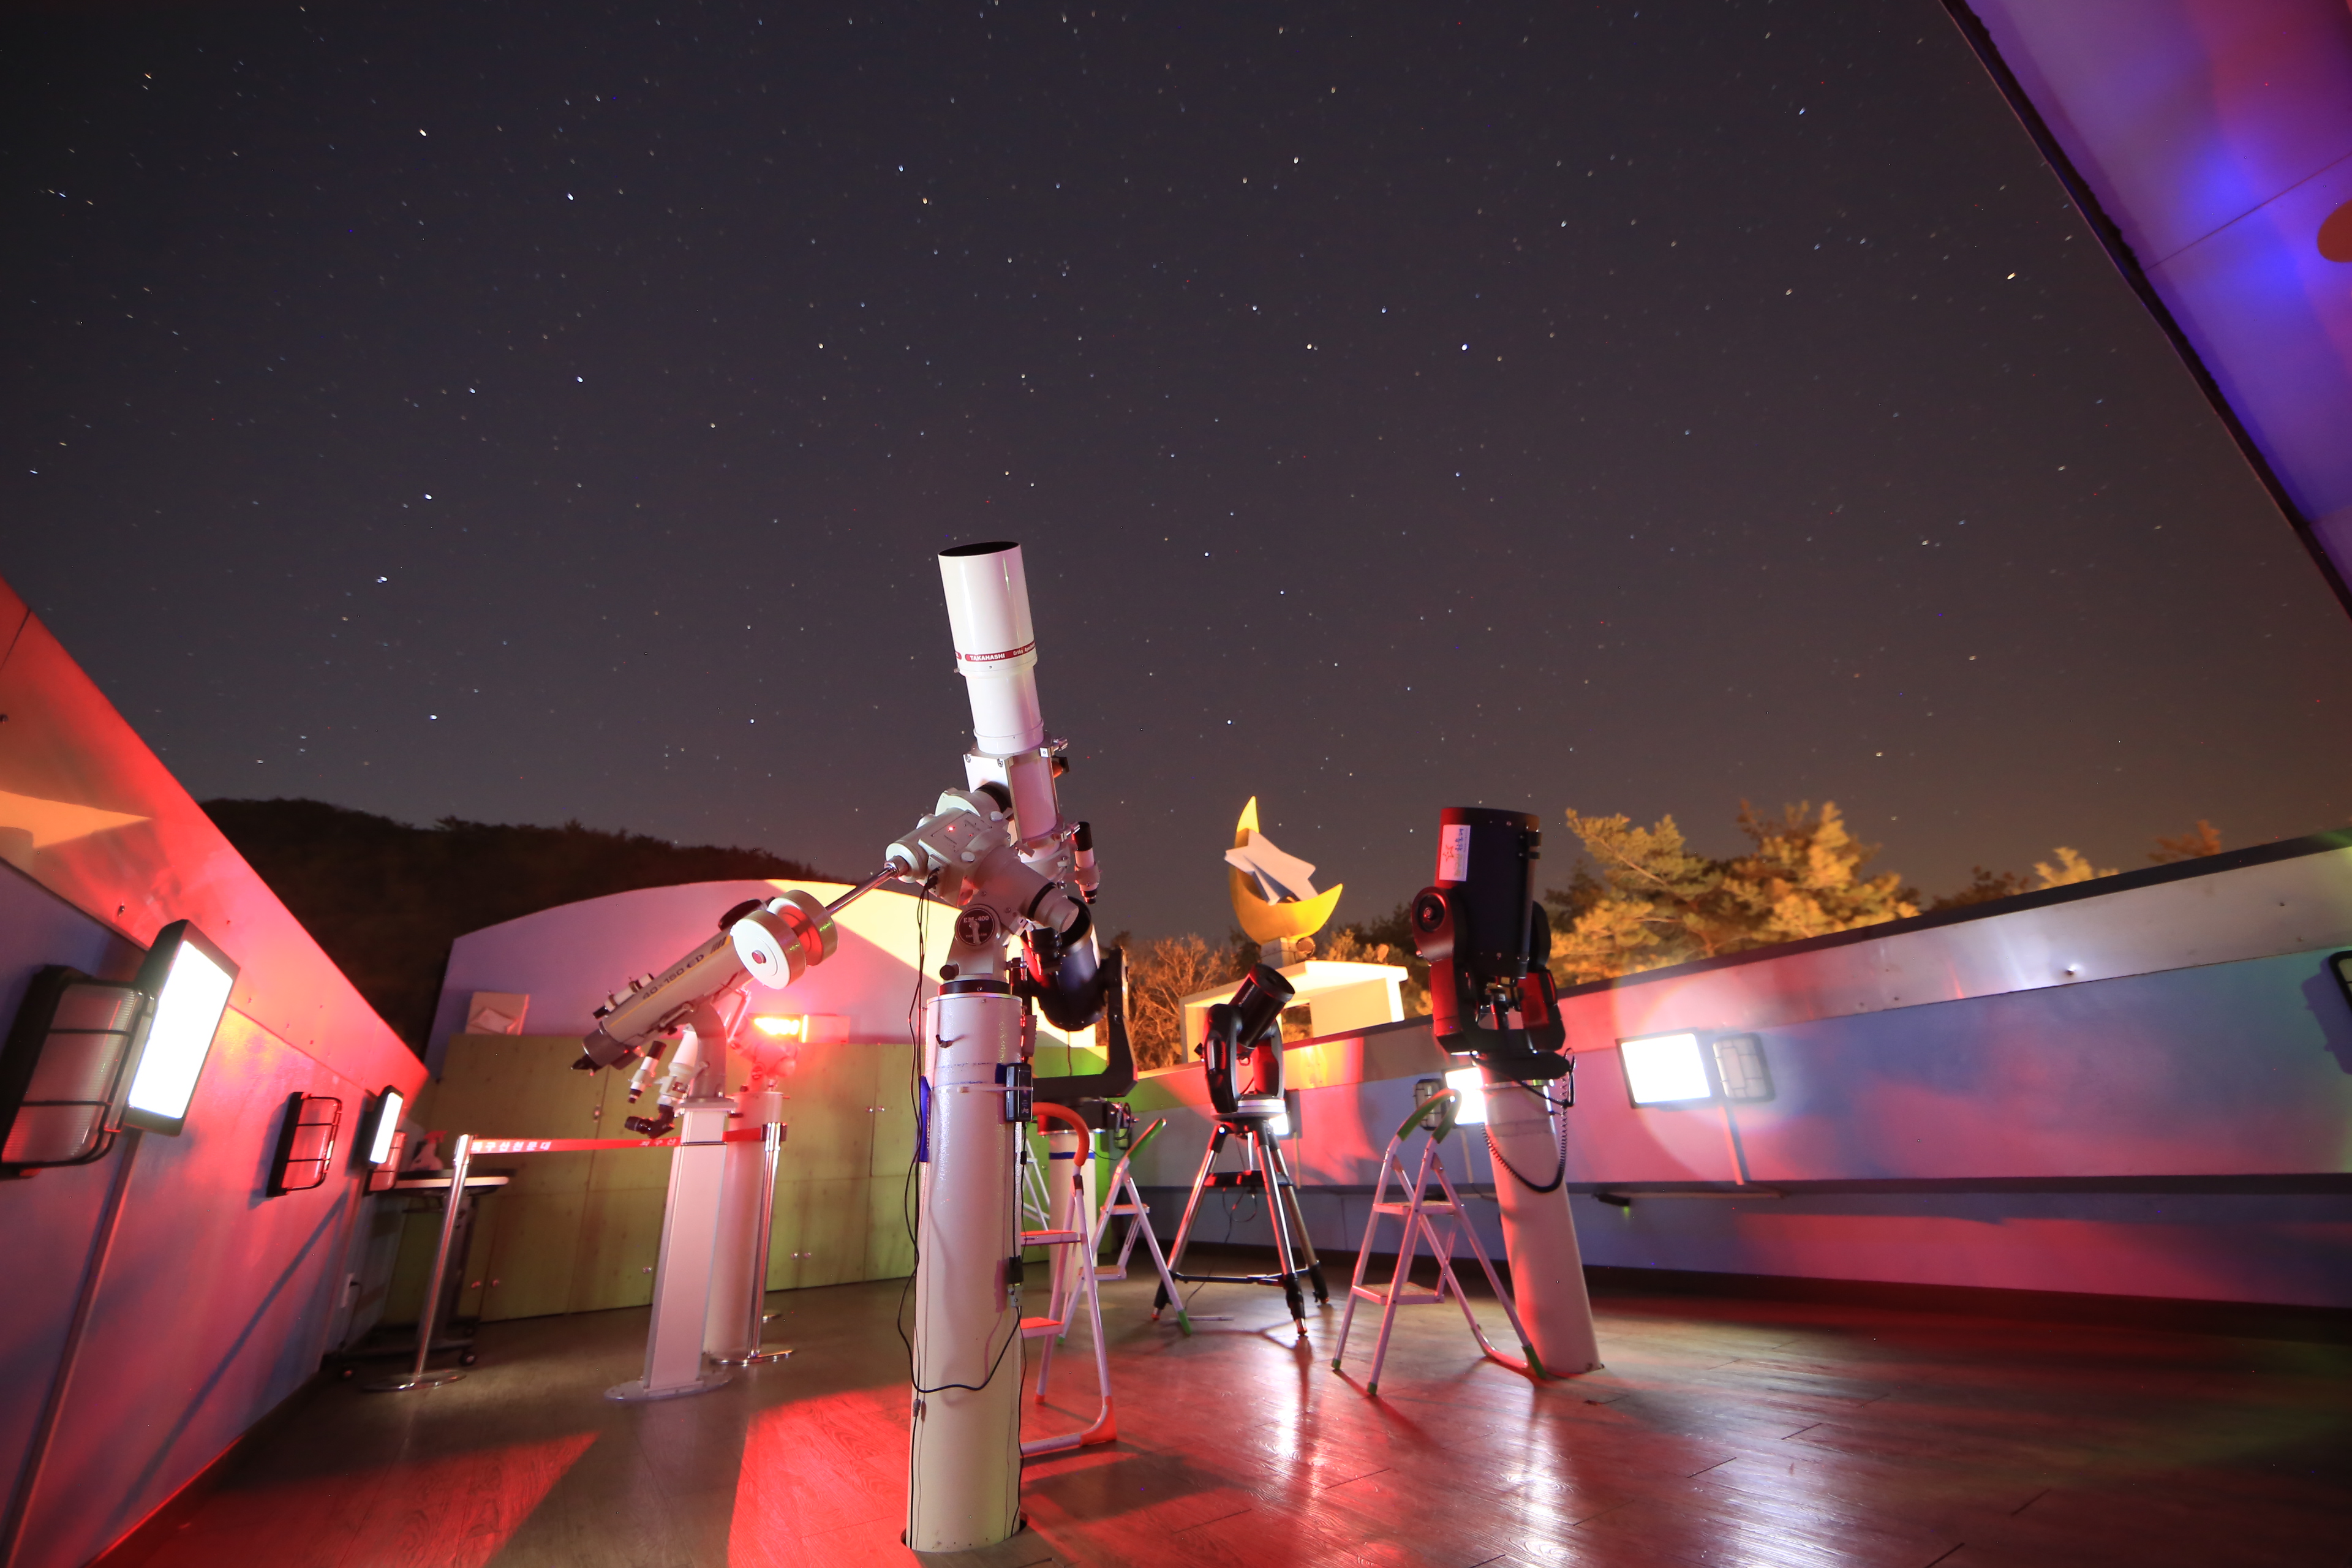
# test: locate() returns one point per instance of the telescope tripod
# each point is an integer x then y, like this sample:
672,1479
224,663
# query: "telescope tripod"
1266,1172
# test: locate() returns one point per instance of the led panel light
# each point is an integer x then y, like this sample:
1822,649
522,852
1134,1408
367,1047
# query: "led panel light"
190,980
1471,1085
1665,1070
387,1122
385,1176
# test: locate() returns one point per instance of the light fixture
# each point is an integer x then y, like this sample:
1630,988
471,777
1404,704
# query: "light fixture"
386,1176
63,1070
190,980
810,1028
306,1144
1739,1067
1665,1070
384,1126
1471,1084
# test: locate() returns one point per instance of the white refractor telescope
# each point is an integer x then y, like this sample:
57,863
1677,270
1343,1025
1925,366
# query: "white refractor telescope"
1000,851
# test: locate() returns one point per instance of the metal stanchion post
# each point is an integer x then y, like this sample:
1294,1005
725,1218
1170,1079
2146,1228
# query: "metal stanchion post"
425,1323
772,1144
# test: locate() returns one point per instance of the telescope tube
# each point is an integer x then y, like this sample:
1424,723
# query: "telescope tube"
996,654
996,648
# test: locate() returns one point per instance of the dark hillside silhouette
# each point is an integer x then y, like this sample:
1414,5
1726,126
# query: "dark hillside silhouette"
385,899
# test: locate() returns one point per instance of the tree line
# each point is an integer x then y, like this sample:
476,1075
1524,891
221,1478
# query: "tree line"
1640,899
385,899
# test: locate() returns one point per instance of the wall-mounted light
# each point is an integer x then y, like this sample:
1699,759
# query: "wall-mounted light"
64,1069
384,1126
1684,1069
809,1028
382,1145
1471,1111
1665,1070
383,1177
306,1144
190,980
1740,1069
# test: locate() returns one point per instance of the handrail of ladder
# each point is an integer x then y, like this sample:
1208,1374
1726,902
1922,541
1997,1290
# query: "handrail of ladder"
1446,1103
1135,1144
1046,1108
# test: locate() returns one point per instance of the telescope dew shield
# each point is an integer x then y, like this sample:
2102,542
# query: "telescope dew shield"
996,647
996,654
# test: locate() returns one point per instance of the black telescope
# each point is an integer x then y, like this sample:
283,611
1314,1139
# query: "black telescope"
1487,942
1236,1031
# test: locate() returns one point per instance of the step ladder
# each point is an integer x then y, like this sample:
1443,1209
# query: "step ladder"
1440,1220
1126,1203
1069,1232
1077,1274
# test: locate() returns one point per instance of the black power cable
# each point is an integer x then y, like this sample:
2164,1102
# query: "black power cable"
910,1212
1557,1105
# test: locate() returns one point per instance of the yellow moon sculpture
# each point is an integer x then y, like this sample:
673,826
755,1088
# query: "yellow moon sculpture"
1266,921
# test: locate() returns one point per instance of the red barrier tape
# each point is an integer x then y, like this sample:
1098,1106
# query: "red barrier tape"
580,1146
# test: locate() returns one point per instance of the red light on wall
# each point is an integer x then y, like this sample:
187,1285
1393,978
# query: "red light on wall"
803,1028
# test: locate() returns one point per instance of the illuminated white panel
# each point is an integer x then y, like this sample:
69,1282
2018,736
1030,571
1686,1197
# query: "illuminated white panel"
194,996
1664,1068
1471,1111
387,1122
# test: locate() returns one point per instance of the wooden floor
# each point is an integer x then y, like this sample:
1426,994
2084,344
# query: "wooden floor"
1721,1432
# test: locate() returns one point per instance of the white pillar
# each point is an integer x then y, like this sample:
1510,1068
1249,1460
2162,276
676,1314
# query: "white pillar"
1538,1231
1061,1182
689,1248
963,1464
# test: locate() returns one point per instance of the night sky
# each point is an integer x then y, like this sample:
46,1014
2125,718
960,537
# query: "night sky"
540,413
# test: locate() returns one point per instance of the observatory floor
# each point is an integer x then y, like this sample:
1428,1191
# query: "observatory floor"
1722,1431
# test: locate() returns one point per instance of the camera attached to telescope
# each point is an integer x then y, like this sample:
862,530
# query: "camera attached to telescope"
1487,943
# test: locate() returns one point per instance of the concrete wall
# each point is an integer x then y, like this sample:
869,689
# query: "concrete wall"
216,1300
2115,1090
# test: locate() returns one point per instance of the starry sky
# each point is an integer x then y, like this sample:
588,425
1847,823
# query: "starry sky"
529,413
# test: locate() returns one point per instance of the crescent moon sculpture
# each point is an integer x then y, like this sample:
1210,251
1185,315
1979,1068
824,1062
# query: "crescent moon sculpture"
1269,920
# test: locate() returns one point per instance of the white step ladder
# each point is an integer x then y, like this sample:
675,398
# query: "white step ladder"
1417,1213
1126,1203
1076,1274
